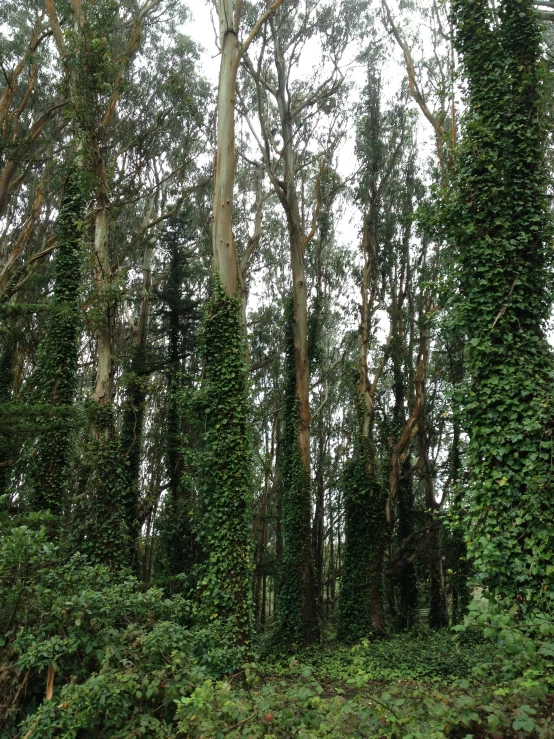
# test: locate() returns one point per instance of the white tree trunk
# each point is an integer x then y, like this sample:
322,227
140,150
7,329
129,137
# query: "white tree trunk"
225,250
102,393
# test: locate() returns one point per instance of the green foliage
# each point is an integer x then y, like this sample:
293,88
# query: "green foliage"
225,487
127,663
296,624
55,378
498,220
365,532
370,691
99,526
121,655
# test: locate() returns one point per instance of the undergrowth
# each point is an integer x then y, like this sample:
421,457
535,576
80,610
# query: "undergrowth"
123,662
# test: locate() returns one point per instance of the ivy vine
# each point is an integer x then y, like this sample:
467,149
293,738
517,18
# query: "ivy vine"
225,486
365,533
296,621
499,223
55,378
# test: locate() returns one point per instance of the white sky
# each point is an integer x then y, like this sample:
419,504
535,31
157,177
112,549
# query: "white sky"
201,30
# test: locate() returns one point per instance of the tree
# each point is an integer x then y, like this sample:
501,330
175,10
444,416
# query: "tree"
295,111
55,377
500,226
226,496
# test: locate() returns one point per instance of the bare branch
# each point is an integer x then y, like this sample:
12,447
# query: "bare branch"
259,23
415,90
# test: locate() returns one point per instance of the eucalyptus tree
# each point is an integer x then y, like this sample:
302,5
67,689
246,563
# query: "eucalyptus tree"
383,138
401,309
29,125
95,74
266,337
500,226
130,126
28,121
327,264
300,111
226,488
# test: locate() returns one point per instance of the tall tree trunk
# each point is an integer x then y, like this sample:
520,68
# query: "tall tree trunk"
103,390
499,218
55,377
297,489
361,601
297,622
100,524
225,250
319,515
227,501
401,356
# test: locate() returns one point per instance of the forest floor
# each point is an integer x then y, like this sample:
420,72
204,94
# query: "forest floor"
431,685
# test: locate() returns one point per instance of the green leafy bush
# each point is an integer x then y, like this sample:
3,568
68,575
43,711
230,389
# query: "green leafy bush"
120,655
126,662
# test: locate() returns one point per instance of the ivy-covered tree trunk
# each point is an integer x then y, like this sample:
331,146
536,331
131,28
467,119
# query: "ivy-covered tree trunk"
225,495
297,536
366,529
95,79
361,593
101,522
227,506
297,622
499,222
225,501
55,377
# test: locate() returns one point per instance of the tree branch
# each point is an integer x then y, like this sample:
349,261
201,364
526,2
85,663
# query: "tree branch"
259,23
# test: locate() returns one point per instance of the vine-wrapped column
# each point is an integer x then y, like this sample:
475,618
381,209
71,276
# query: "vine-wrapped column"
55,378
499,222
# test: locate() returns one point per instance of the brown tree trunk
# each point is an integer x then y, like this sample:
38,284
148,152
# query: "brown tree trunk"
224,246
